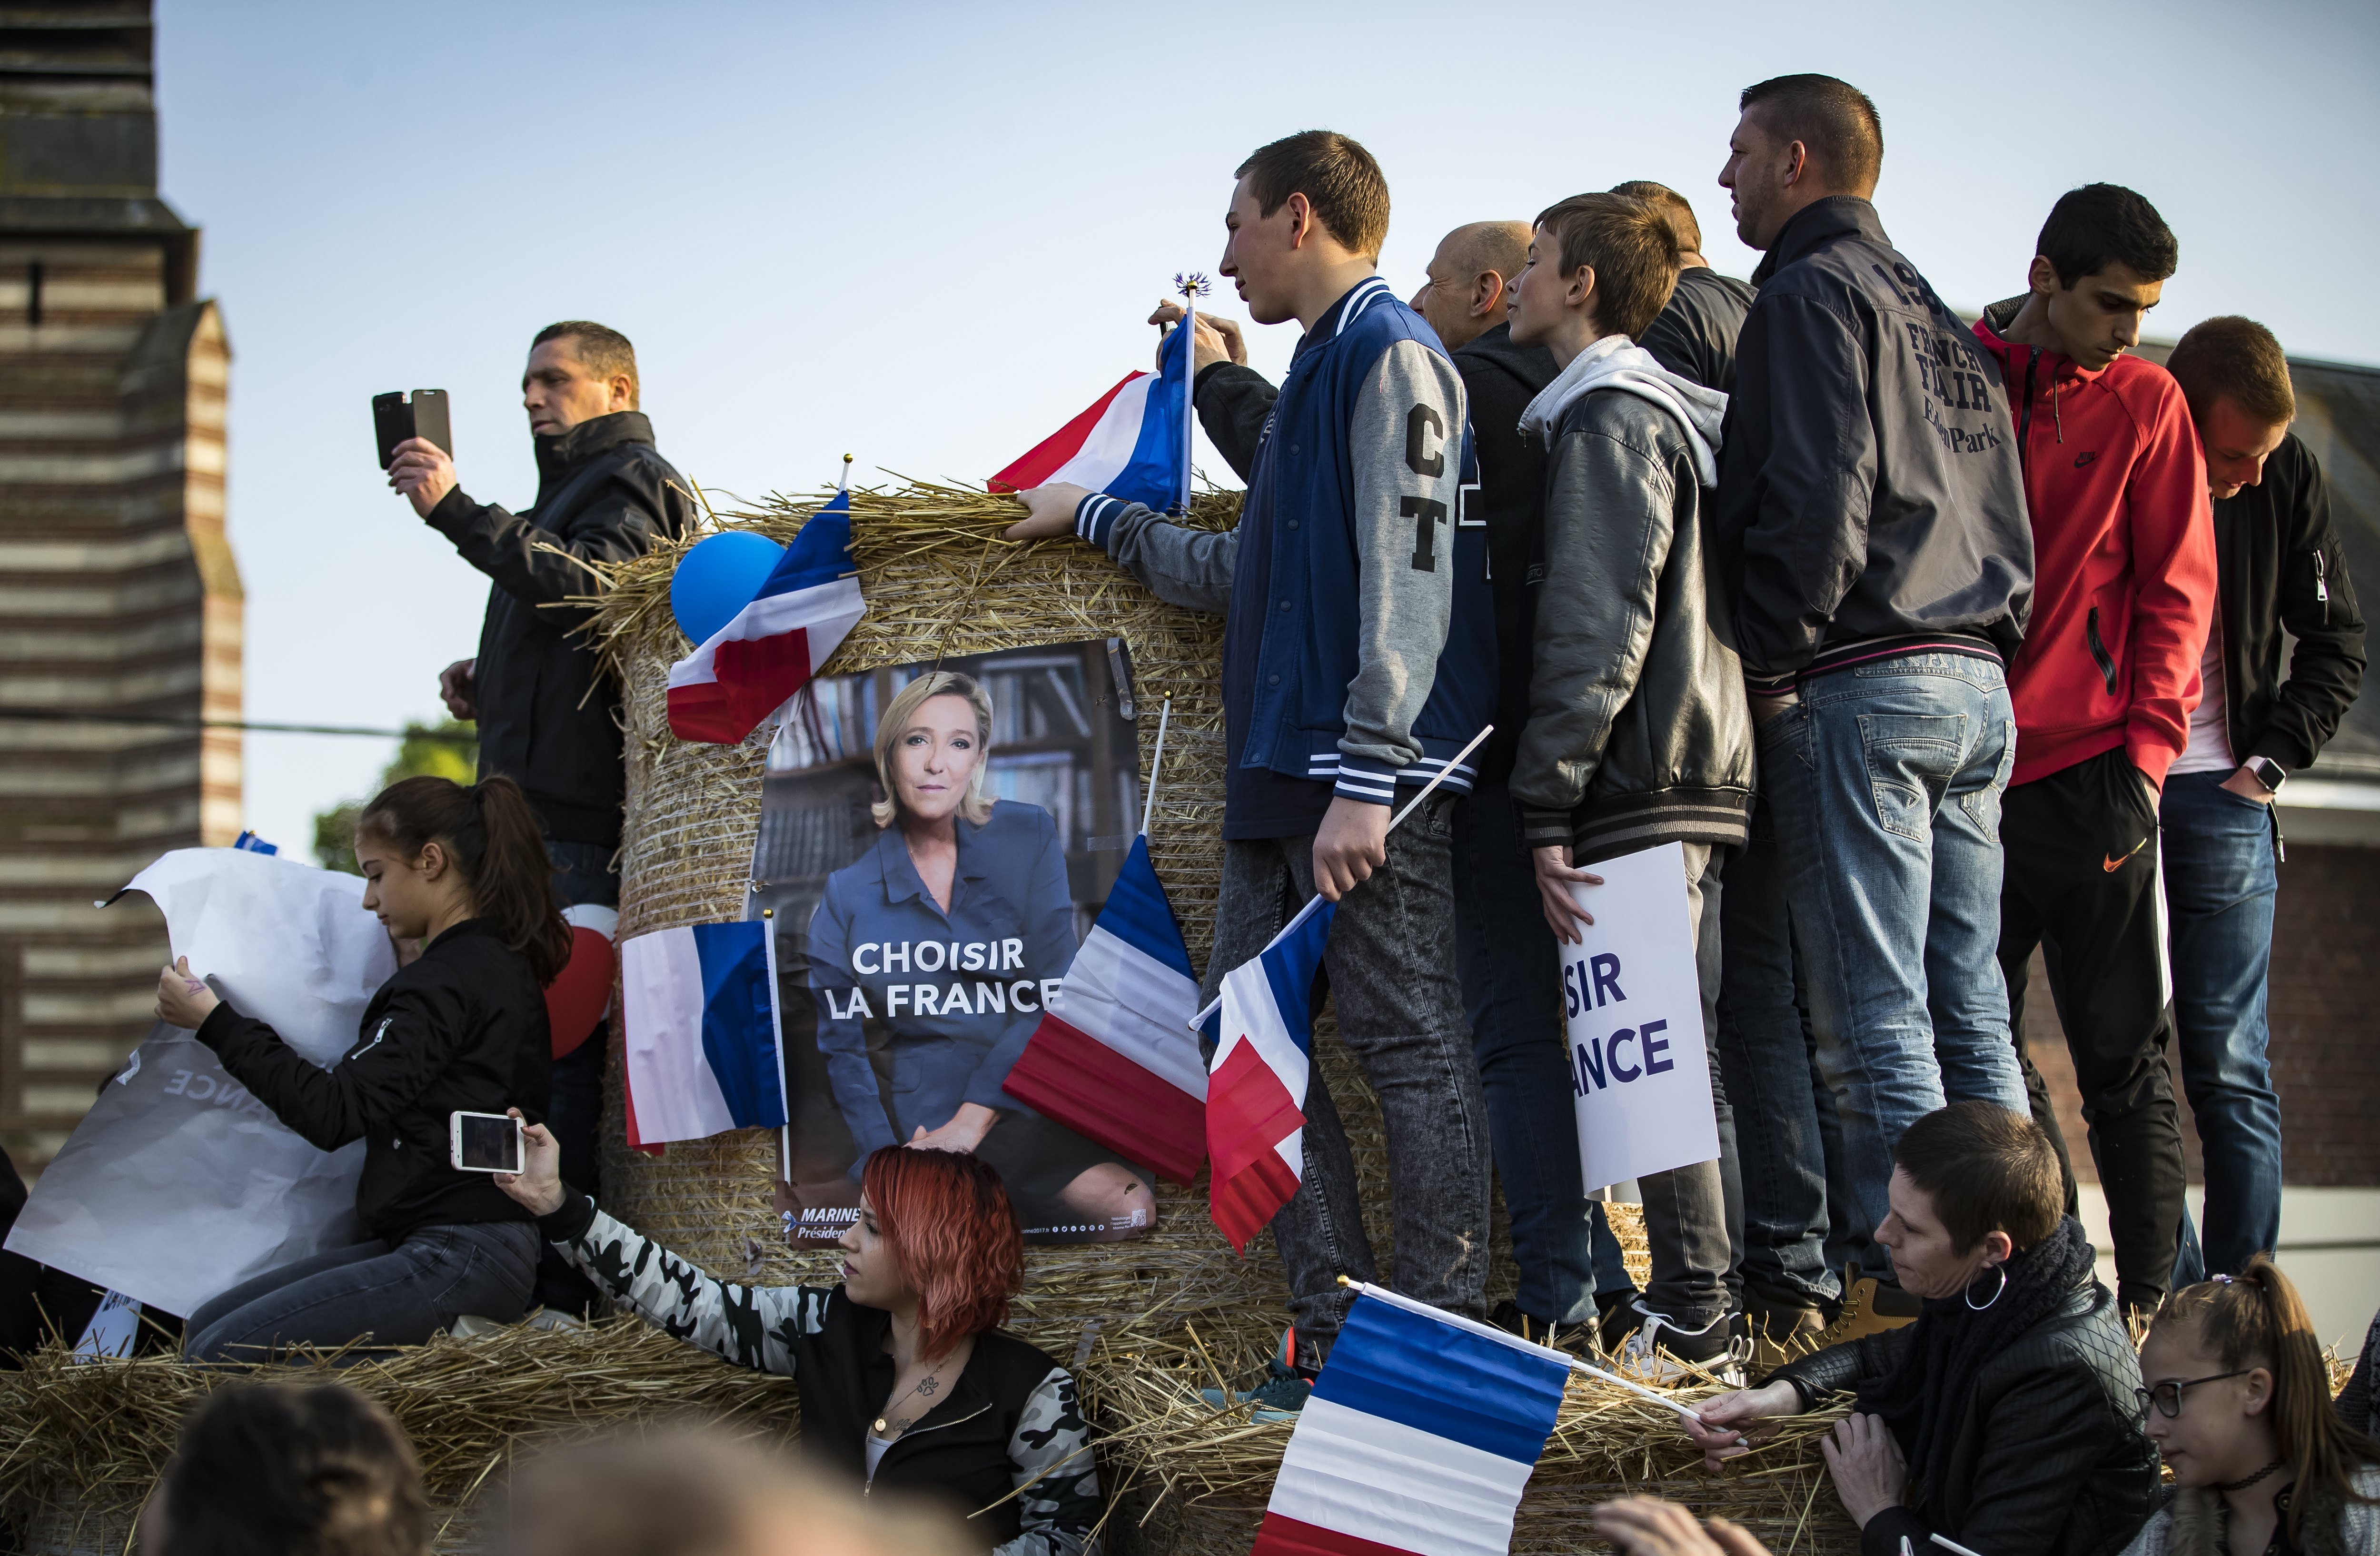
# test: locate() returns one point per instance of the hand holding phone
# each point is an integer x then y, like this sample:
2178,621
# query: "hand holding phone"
538,1183
485,1142
397,417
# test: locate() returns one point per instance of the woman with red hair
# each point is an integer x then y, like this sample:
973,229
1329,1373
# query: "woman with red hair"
906,1378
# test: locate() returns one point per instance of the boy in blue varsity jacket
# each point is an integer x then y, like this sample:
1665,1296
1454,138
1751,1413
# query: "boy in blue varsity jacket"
1358,659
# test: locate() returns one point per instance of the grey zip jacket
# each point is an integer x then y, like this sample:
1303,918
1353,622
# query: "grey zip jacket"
1638,730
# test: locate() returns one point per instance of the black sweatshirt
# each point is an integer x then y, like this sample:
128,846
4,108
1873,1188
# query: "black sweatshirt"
462,1030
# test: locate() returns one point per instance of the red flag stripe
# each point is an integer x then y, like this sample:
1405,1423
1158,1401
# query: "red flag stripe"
1069,1077
1248,1112
1058,447
750,680
1290,1536
1244,1205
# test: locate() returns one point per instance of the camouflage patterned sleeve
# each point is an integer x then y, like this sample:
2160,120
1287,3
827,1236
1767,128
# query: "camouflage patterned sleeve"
1057,1483
759,1327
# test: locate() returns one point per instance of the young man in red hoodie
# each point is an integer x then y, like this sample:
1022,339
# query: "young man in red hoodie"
2124,589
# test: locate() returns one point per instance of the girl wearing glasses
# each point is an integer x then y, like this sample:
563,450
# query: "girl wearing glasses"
2238,1399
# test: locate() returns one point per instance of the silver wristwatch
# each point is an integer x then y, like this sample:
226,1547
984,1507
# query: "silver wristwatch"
2270,773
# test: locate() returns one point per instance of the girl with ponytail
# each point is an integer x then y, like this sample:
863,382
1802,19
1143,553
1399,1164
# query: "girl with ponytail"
463,873
2237,1397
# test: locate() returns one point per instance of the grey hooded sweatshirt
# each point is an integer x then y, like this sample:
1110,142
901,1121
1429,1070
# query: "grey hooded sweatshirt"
1638,730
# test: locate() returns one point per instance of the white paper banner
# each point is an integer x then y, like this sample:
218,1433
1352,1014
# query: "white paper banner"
1633,1008
290,944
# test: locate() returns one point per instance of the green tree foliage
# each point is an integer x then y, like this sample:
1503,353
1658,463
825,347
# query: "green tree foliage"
446,749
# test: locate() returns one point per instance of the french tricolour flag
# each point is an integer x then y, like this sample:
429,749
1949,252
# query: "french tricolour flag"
701,1008
1122,1066
1419,1437
746,670
1129,444
1256,1089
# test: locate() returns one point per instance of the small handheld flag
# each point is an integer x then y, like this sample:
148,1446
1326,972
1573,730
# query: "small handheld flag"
1121,1066
745,671
1420,1436
1256,1090
699,1004
1131,444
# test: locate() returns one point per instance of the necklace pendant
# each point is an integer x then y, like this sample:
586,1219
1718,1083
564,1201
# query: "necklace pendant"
880,1424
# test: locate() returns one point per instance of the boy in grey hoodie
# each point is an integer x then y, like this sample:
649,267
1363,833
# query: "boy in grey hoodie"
1638,732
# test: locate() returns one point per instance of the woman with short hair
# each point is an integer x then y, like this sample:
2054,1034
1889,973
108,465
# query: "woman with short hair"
2003,1417
906,1377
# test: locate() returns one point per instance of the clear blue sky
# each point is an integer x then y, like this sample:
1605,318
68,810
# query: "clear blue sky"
928,234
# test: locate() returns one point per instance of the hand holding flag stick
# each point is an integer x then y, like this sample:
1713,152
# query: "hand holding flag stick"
1192,287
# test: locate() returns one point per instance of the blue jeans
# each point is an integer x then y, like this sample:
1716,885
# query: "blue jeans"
1884,780
2220,882
1785,1123
398,1296
1562,1249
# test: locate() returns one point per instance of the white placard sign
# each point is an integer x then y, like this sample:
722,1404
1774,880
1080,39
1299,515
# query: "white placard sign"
1633,1008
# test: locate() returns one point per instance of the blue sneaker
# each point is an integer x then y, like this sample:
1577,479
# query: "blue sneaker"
1282,1393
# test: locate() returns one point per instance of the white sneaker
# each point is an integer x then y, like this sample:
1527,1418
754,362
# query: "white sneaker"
1691,1355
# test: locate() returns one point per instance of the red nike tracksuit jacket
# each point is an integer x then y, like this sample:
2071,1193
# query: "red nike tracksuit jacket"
2123,552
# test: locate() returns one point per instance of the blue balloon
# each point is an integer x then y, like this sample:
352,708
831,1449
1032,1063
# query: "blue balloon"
718,577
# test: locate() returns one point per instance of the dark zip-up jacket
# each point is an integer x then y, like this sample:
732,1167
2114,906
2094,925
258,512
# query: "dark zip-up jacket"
2047,1459
460,1029
547,719
1870,500
2279,565
1498,381
1007,1449
1638,732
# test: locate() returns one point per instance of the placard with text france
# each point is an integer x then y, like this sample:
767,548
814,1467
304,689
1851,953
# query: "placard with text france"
1633,1011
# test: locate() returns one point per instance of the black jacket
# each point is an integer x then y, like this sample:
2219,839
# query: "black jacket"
603,494
1638,733
1498,381
2280,566
460,1029
2048,1459
1694,334
1869,488
1007,1449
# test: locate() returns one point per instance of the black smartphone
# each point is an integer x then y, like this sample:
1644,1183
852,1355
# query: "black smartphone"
396,417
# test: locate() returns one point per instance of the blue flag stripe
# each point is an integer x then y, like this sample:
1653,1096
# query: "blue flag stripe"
1436,1378
1288,967
819,553
738,1034
1153,475
1139,913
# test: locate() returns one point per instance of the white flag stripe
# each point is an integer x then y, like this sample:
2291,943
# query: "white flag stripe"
1250,1016
1108,450
835,605
1386,1482
1132,1002
661,995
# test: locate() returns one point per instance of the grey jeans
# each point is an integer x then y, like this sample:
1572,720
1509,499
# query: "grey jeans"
398,1296
1391,965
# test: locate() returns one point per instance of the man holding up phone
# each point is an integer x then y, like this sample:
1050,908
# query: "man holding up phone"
604,493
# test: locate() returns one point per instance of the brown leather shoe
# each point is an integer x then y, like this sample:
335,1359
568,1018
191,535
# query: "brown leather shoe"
1869,1308
1782,1334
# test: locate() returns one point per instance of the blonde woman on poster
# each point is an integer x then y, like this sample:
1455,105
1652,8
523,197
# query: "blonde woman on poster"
933,957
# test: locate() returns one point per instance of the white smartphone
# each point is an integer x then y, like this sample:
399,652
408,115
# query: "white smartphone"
485,1142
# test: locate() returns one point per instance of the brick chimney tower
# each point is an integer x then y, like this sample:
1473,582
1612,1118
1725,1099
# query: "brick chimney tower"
119,600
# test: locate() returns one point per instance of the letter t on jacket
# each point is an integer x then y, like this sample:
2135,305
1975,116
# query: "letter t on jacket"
2124,572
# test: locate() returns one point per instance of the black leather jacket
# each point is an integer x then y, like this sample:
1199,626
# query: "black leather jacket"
2048,1458
1869,488
2281,566
604,493
1638,730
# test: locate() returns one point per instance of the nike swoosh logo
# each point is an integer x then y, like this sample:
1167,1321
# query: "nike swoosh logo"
2116,861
